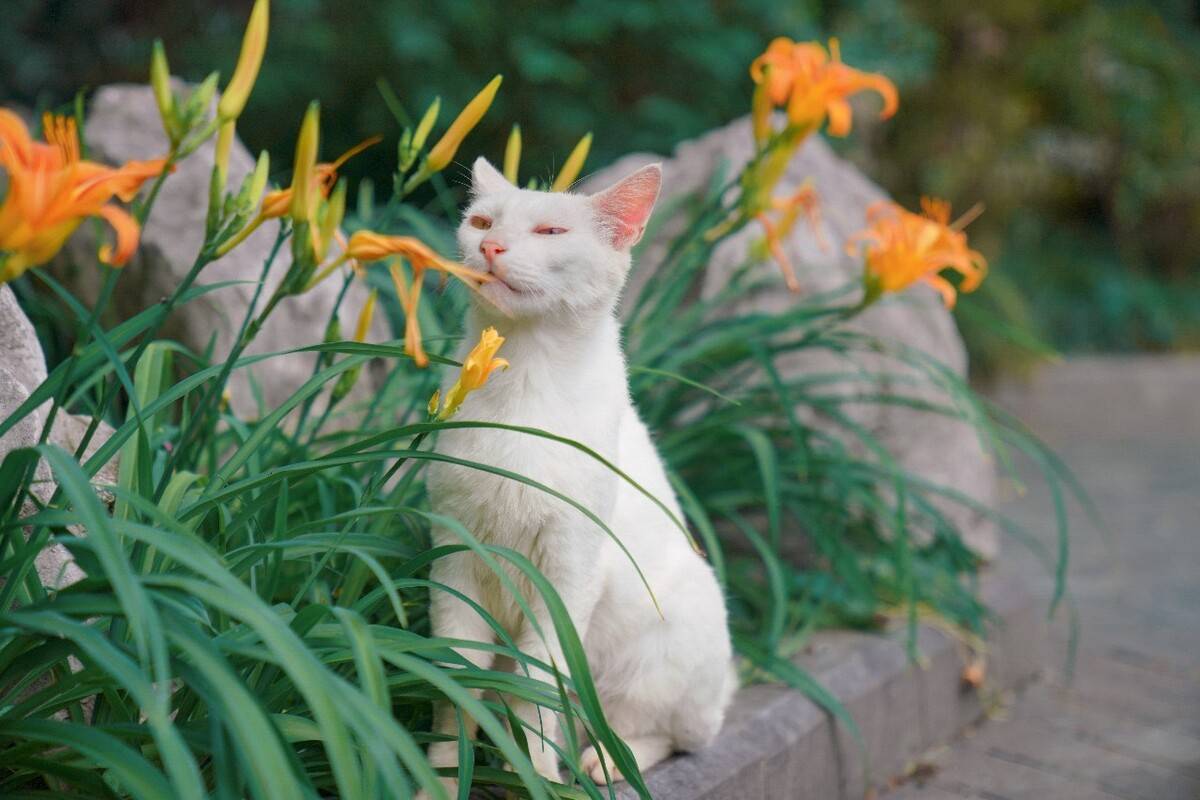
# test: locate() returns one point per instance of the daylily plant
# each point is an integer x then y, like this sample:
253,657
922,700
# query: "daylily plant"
278,202
813,85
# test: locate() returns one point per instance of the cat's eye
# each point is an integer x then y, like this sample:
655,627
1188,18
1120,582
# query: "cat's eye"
480,222
549,230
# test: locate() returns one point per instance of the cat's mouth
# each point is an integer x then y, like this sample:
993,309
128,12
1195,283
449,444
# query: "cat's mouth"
498,280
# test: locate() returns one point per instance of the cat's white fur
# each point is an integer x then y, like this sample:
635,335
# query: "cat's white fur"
664,681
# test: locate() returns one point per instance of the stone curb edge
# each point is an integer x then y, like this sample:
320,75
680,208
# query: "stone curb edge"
776,743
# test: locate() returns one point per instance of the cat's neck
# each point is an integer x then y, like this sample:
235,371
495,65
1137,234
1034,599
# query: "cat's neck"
566,341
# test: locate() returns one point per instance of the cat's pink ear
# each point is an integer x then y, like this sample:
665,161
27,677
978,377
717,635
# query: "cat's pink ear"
486,179
624,207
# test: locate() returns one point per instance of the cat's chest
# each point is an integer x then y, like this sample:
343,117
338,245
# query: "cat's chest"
578,405
504,484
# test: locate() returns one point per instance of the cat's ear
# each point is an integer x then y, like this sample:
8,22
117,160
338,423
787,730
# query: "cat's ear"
624,207
486,179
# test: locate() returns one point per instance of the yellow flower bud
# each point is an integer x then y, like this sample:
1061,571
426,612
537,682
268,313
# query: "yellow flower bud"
306,188
760,113
248,198
365,316
428,120
160,82
254,45
512,155
573,165
331,214
224,143
258,181
443,152
434,401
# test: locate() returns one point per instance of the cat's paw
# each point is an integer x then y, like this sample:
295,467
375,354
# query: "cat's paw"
589,762
547,766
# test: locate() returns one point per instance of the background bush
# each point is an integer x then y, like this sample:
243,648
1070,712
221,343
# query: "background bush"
1076,121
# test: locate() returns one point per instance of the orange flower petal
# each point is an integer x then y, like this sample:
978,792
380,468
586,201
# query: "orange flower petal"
14,137
840,117
130,177
412,327
778,253
127,232
276,204
943,287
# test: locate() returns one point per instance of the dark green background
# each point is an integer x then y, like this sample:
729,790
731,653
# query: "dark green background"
1077,122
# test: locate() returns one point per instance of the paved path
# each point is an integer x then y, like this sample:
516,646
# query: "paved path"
1128,725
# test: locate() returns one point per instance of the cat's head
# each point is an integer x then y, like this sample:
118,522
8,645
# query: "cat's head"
554,252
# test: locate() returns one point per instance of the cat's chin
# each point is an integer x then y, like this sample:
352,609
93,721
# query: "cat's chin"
503,297
503,286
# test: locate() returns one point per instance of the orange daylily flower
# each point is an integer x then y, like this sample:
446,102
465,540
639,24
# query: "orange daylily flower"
813,84
902,248
279,202
370,246
51,190
804,200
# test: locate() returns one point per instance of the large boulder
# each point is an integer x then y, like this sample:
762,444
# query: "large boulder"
22,370
943,450
123,124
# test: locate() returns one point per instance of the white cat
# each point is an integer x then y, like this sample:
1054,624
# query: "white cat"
560,260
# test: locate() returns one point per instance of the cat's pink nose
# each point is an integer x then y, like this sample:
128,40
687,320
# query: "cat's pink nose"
490,249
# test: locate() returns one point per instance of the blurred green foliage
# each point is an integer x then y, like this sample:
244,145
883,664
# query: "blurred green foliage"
1077,122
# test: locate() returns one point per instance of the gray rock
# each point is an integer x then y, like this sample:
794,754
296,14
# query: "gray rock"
22,370
123,124
946,451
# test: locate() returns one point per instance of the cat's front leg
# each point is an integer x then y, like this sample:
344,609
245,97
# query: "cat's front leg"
452,618
578,578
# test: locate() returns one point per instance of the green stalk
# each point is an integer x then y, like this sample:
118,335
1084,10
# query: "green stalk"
196,422
367,497
306,408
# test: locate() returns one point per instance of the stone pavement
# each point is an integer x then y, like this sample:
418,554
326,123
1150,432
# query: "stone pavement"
1127,724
